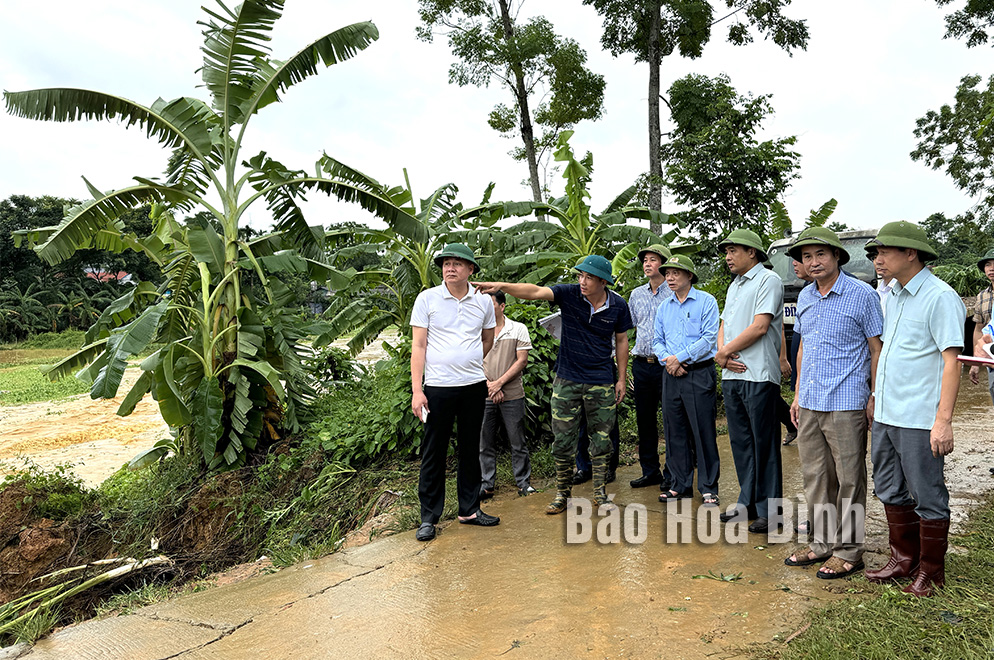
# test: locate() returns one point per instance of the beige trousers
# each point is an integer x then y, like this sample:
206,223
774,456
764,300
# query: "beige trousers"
832,448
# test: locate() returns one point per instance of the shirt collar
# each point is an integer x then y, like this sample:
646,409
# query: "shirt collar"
754,271
607,303
915,283
448,294
691,295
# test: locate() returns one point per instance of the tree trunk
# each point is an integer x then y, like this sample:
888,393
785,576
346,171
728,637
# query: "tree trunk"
655,166
527,134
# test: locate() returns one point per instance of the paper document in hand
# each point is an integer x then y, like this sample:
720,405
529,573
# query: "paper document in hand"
553,324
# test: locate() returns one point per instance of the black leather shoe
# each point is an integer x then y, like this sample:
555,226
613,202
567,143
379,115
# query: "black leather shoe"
646,480
481,519
426,532
760,525
736,515
581,476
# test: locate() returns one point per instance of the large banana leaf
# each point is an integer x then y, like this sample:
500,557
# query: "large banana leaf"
76,361
121,345
82,221
234,44
138,391
274,78
207,409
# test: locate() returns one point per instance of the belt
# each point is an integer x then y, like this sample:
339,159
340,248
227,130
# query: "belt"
699,365
642,358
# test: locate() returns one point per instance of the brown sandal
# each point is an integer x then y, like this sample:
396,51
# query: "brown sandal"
807,561
838,564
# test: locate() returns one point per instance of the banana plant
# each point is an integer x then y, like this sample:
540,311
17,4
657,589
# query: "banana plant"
228,374
378,298
566,231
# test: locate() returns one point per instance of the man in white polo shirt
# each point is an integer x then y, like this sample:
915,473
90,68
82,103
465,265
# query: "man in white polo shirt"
452,330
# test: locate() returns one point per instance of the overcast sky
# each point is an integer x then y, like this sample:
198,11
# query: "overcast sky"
852,98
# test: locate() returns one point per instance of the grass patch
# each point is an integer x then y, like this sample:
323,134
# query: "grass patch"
68,340
879,622
26,384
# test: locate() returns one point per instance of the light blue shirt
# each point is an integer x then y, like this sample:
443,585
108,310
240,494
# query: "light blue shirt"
643,304
834,373
760,291
923,318
687,330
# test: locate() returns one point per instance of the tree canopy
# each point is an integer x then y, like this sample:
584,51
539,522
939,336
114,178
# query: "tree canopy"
528,59
654,29
714,162
951,139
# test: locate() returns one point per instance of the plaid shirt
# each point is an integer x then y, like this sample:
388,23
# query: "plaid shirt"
643,304
982,310
835,365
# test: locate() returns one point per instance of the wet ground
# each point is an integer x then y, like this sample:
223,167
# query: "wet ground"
520,590
88,434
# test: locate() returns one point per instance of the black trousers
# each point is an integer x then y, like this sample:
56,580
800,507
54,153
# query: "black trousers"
754,434
463,407
648,381
689,412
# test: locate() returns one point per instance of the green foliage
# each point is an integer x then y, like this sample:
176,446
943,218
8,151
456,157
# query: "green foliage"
529,59
965,279
361,421
879,621
715,164
538,375
222,313
331,364
55,493
685,25
962,240
971,22
950,139
545,250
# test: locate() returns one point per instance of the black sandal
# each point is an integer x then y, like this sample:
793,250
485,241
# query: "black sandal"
673,495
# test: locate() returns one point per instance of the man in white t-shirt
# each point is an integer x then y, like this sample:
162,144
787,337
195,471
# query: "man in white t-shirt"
452,330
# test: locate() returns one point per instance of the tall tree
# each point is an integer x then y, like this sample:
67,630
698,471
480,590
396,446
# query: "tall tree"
949,139
228,374
528,59
972,22
714,162
654,29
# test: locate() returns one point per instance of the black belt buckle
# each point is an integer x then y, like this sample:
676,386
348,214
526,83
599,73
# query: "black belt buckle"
650,360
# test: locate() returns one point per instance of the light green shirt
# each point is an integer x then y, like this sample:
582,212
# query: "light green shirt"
760,291
923,318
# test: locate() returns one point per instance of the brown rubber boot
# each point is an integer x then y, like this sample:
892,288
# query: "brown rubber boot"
902,522
932,569
564,486
600,465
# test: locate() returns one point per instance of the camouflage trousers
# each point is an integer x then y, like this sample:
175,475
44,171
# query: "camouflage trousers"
598,403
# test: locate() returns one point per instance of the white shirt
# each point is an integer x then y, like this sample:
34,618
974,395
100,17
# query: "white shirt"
454,355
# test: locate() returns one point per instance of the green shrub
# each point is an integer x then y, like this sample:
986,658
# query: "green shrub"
55,493
67,340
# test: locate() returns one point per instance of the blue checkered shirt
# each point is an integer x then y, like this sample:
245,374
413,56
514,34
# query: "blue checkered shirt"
835,364
643,304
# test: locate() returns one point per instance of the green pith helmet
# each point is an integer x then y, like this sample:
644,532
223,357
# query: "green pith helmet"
655,248
682,262
745,238
459,251
987,257
902,234
597,266
818,236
